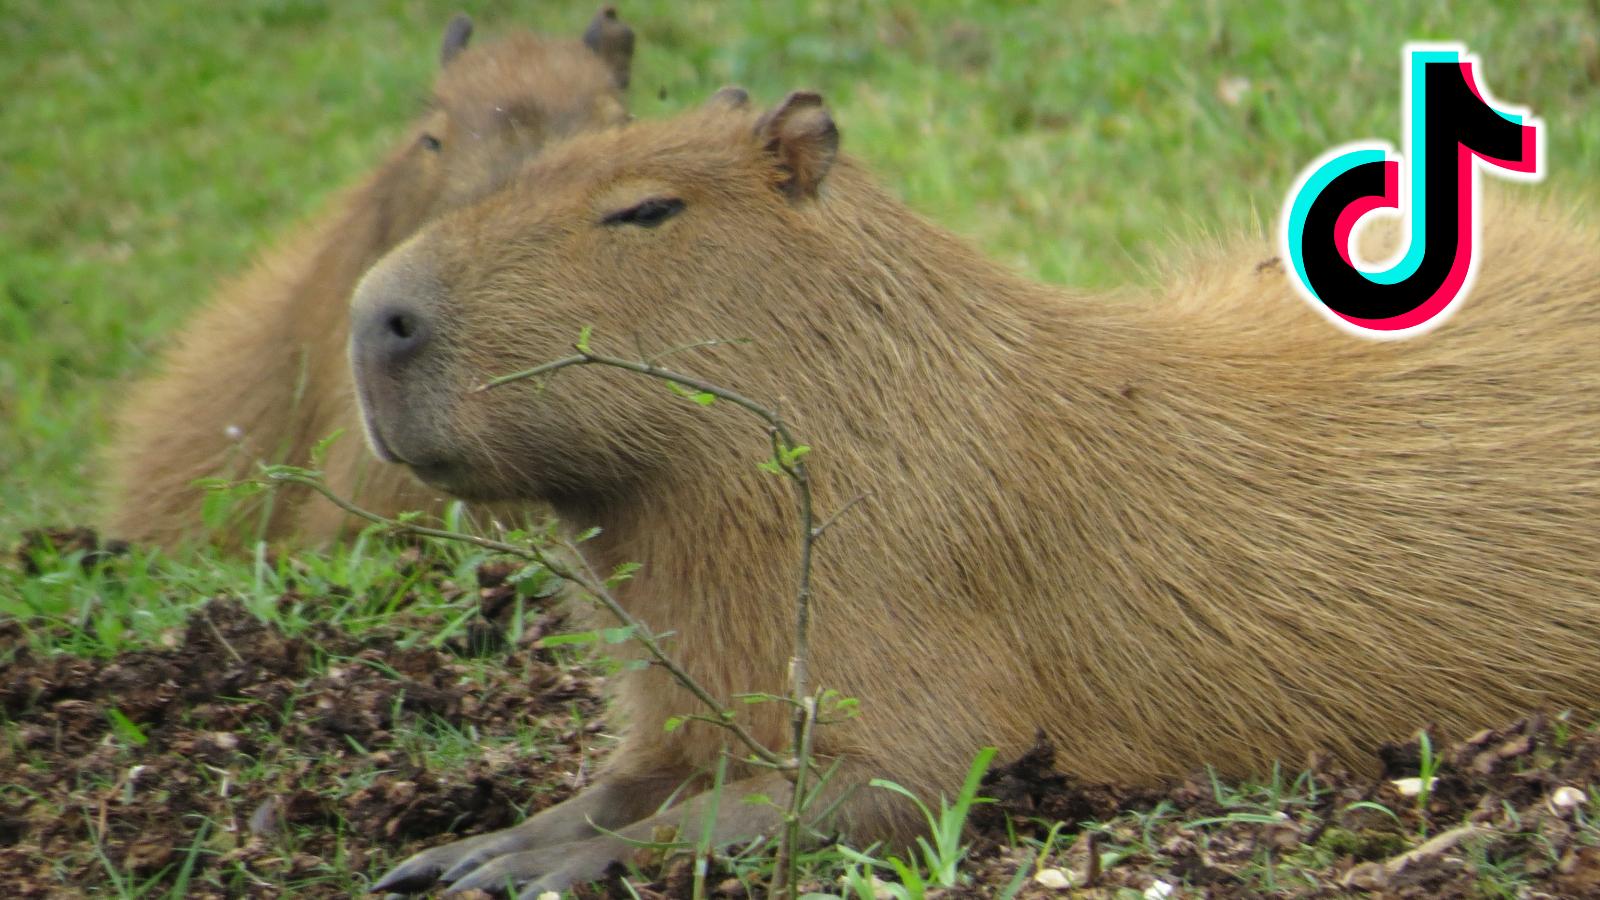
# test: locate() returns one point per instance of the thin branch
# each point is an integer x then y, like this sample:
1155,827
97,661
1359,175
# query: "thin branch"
586,357
787,865
697,345
816,533
787,456
534,372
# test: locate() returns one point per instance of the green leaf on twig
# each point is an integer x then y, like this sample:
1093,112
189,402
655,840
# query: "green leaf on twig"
704,398
622,573
785,459
320,451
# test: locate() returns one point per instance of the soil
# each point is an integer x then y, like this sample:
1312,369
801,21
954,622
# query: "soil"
240,761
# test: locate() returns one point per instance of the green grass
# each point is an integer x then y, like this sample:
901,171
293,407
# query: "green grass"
148,152
144,599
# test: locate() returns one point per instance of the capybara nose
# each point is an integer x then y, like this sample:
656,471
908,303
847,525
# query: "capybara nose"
392,320
394,334
387,335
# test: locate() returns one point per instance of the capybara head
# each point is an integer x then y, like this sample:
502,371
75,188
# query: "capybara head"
618,221
493,106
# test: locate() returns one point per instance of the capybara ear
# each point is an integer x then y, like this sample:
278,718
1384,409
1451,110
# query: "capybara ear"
730,97
456,35
613,42
802,138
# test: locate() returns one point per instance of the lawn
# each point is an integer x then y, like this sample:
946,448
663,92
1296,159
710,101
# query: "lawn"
148,150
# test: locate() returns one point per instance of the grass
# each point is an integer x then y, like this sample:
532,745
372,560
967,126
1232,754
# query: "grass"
148,152
146,597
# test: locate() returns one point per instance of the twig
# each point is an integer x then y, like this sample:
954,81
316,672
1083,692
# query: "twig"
787,457
216,632
816,533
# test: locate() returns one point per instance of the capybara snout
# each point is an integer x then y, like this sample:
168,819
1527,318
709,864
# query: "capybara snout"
394,335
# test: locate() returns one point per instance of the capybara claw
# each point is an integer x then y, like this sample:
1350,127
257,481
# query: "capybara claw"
422,870
407,878
463,870
534,872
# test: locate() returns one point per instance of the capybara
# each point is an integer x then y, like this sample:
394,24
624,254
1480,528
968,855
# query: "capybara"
261,373
1196,527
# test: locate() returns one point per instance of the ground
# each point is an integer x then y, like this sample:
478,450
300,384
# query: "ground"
233,759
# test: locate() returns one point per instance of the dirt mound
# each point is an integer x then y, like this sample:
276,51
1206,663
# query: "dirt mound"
255,760
243,761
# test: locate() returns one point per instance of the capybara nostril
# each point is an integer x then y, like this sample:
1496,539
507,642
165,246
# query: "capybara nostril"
394,335
401,325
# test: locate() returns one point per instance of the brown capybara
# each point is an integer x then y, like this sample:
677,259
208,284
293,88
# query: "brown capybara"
261,373
1197,527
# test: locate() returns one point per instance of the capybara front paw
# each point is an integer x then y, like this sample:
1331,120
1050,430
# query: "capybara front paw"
501,863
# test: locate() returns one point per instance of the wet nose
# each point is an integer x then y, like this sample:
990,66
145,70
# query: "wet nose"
393,334
392,321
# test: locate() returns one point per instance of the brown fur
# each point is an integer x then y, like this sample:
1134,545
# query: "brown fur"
260,374
1196,527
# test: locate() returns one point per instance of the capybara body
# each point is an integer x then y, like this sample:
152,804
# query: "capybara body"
260,375
1196,527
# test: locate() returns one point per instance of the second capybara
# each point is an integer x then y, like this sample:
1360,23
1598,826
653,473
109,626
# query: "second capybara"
1197,527
259,375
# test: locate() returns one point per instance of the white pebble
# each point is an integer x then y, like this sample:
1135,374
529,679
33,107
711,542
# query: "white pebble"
1411,787
234,433
1055,879
1567,798
1158,891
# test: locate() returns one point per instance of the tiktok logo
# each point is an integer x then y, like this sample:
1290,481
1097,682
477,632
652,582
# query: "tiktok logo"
1449,127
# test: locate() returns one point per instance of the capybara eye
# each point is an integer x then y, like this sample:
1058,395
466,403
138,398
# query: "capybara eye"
430,142
647,214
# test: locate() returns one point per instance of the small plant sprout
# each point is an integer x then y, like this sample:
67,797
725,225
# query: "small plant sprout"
942,855
1421,787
